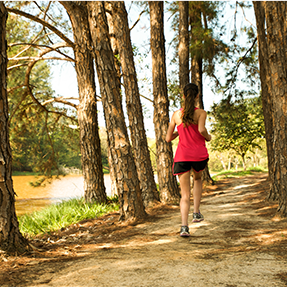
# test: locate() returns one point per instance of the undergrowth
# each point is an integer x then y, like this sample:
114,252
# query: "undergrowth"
63,214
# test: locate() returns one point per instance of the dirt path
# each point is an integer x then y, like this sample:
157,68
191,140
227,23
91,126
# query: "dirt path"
240,243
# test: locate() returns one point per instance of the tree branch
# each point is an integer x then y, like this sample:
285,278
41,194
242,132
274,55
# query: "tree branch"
61,100
137,19
16,66
45,11
40,59
44,23
147,98
28,86
241,59
32,41
15,88
39,46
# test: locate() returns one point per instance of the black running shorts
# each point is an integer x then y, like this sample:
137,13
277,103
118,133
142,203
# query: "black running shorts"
185,166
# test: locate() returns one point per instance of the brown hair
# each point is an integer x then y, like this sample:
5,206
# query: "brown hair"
190,92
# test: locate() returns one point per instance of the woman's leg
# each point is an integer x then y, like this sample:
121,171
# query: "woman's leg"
197,190
184,180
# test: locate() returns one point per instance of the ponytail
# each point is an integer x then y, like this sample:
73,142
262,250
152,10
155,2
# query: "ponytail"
190,92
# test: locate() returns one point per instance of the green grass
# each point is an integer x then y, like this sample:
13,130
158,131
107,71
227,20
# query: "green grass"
61,215
239,172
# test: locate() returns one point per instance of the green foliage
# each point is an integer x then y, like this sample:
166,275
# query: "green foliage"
206,42
41,141
61,215
237,125
174,96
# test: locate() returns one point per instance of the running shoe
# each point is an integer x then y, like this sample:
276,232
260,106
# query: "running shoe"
184,231
197,217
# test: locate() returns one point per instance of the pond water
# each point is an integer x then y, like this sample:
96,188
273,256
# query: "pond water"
31,198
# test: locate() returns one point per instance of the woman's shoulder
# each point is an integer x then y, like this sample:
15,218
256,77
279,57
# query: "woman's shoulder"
177,113
177,116
200,111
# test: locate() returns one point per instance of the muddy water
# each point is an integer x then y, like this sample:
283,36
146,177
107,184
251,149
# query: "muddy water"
30,198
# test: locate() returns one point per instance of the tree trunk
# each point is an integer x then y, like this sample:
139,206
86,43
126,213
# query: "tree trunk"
276,14
114,43
196,78
112,174
115,49
131,204
11,240
133,104
183,47
87,109
222,161
266,97
243,162
168,187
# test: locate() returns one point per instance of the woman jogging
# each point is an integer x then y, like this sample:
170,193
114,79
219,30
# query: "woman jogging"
191,153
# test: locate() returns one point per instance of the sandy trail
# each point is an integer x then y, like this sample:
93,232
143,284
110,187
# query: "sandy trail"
240,243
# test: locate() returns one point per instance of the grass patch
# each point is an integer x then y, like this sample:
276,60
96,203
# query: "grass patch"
239,172
63,214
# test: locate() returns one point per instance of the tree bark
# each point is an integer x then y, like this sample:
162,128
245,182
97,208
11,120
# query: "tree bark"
183,47
276,14
131,204
276,79
87,108
168,187
11,240
133,104
266,97
115,49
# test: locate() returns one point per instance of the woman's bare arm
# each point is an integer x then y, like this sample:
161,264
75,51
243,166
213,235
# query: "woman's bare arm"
201,126
171,135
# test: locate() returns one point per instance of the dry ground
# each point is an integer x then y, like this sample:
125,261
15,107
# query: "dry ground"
240,243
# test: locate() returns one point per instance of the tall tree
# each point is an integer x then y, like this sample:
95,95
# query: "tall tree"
196,61
133,104
266,96
131,204
198,41
90,145
115,49
167,182
276,79
183,46
10,237
87,108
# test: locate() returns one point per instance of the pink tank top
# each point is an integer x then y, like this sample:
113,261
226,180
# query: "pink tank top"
191,146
